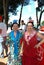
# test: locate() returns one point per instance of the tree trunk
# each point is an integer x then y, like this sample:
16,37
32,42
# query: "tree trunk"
39,20
37,17
21,12
40,16
5,8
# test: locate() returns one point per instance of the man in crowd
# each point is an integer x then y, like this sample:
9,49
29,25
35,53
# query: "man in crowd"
3,34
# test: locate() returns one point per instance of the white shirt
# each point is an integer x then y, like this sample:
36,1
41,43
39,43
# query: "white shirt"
23,27
1,40
4,29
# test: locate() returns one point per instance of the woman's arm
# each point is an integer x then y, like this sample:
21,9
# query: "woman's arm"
40,35
40,43
42,39
21,50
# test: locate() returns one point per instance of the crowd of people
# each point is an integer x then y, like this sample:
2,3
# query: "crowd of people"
25,38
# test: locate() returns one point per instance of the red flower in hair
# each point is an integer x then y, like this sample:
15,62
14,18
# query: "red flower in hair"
0,17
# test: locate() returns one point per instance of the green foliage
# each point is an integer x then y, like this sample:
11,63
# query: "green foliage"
12,5
1,7
43,23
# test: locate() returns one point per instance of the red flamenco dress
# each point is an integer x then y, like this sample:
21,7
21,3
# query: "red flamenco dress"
40,53
29,52
41,48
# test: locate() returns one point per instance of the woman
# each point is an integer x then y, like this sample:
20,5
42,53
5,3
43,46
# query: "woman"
29,46
15,36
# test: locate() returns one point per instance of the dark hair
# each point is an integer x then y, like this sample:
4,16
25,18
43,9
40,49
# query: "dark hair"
31,23
22,20
13,24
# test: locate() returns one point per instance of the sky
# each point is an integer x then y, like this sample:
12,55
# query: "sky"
29,10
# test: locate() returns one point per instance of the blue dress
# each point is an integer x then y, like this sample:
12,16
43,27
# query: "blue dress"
16,40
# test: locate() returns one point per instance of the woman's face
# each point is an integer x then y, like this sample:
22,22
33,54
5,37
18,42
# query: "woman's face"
15,27
29,26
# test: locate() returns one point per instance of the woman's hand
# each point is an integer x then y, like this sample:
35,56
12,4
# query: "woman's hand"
37,46
21,53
